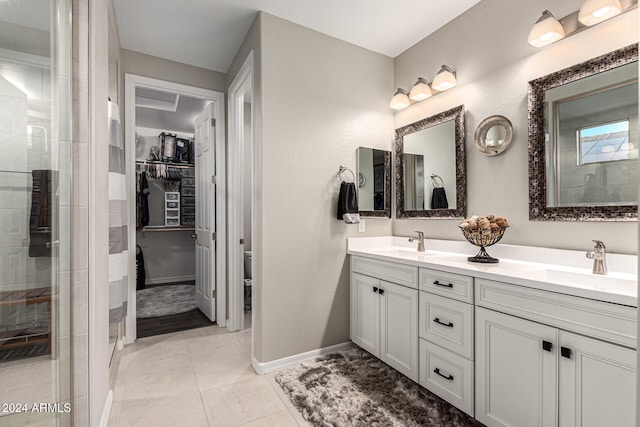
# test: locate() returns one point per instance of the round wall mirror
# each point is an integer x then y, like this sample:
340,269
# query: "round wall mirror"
493,135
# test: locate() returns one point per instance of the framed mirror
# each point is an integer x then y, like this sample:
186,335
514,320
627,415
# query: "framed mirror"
430,167
583,141
374,182
493,135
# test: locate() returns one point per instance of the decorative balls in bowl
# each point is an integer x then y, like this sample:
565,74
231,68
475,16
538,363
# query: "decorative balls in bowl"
483,231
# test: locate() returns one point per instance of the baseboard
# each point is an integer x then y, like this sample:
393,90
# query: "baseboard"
173,279
285,362
104,419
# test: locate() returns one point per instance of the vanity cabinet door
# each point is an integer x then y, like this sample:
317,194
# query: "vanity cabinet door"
516,371
597,383
365,313
399,328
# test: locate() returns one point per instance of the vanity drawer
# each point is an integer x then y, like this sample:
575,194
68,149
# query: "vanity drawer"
446,322
598,319
401,274
450,285
447,375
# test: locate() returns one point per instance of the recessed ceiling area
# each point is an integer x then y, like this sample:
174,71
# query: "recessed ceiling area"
208,33
153,110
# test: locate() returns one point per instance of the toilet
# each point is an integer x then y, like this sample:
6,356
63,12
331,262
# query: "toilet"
247,280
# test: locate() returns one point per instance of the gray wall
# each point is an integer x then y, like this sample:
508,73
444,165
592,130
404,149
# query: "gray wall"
312,122
487,46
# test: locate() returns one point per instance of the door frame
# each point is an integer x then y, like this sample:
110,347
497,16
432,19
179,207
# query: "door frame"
133,81
242,85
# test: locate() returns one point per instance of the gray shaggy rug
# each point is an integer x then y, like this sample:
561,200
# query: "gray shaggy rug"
353,388
165,300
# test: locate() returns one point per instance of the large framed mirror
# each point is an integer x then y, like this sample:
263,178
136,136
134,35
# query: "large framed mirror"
430,167
583,141
374,182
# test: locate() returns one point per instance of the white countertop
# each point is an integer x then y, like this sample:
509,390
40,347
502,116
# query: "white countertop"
555,270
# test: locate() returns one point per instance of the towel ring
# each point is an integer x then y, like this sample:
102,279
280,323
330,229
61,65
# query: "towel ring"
434,178
344,169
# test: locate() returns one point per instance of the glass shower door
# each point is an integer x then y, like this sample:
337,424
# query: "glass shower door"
35,206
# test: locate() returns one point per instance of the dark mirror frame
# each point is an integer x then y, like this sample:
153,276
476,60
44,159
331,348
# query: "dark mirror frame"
456,114
538,209
387,189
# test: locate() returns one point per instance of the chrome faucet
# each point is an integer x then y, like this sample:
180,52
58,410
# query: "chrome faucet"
599,257
420,241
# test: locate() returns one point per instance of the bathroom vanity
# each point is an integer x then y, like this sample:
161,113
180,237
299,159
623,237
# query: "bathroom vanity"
541,342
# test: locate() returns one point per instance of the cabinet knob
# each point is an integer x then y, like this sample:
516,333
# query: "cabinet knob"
565,352
381,291
446,285
446,377
547,345
438,321
375,289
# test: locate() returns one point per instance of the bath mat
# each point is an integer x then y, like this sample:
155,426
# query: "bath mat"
353,388
165,300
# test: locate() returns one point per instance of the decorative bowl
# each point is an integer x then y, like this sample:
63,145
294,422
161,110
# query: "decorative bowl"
483,238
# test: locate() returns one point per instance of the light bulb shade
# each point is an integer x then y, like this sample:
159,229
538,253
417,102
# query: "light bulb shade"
546,30
445,79
399,100
420,91
594,11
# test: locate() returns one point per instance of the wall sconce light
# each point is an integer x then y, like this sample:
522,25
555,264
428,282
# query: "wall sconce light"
420,90
444,80
400,100
548,29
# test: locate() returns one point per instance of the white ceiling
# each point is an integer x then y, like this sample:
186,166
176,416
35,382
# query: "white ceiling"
208,33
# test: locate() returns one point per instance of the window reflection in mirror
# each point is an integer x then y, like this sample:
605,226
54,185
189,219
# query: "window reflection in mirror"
595,140
374,182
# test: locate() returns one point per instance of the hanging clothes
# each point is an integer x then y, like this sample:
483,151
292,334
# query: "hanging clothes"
118,228
143,201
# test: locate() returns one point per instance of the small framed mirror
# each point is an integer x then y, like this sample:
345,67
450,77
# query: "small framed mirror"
374,182
430,167
583,141
493,135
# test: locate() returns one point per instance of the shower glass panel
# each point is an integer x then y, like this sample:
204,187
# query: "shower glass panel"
35,212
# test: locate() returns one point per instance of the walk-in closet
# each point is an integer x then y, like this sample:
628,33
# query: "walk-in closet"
166,202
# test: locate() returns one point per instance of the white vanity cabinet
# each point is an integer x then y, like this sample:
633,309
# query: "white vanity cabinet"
446,336
534,368
384,314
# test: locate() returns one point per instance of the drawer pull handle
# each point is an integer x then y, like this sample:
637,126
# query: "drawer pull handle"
547,346
438,321
446,285
446,377
375,289
565,352
381,291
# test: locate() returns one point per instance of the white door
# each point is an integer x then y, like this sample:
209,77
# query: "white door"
205,213
365,313
597,383
516,371
399,328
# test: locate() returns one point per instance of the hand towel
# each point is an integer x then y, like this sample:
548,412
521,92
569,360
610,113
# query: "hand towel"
439,199
348,203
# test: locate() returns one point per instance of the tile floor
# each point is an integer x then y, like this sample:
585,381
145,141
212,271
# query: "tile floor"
201,377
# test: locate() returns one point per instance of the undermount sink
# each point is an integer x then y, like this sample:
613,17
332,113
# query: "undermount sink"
614,281
399,251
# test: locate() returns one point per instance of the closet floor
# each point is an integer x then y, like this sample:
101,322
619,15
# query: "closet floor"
174,323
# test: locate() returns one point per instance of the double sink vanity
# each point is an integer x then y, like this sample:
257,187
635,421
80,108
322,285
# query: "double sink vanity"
535,340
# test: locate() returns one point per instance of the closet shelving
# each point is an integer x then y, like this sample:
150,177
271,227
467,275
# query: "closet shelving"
157,228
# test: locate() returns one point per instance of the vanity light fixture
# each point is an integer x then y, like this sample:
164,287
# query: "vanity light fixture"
546,30
445,79
420,90
400,100
594,11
